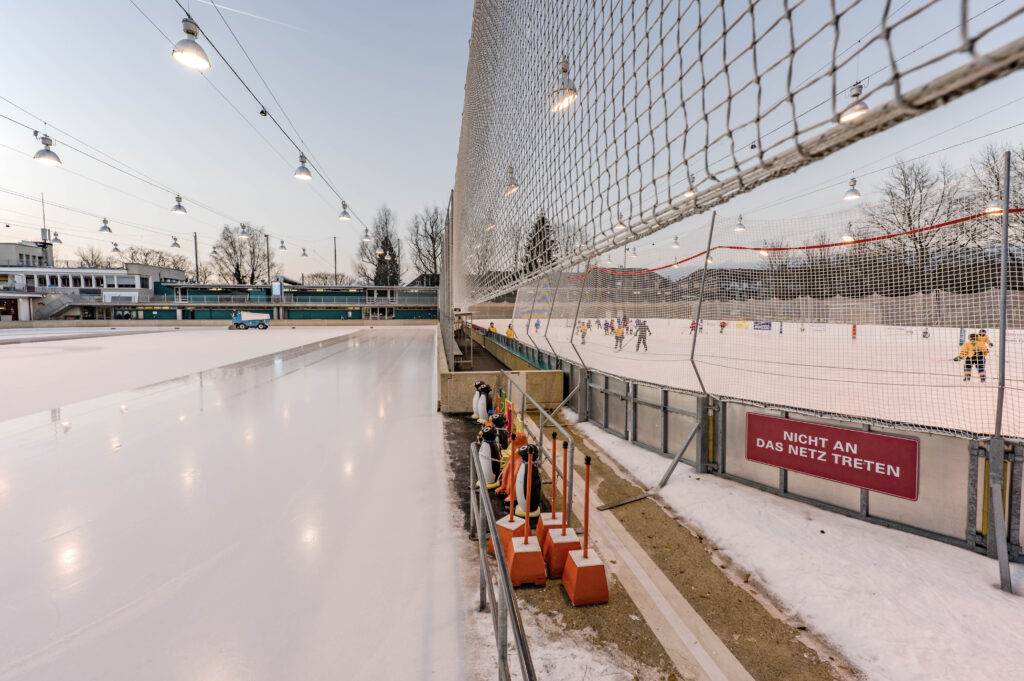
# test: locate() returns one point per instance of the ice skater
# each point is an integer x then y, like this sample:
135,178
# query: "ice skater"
721,326
642,331
926,333
583,333
983,337
620,335
509,332
973,353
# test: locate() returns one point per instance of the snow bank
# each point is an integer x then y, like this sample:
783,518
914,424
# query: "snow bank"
900,607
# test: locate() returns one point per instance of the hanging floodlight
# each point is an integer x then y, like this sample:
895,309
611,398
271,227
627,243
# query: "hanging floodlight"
174,242
366,235
675,266
609,258
56,238
848,234
46,156
511,187
244,232
691,192
857,108
105,227
304,254
178,209
388,257
565,93
213,251
187,51
302,172
763,252
675,242
852,194
739,227
344,215
115,249
708,259
994,208
380,251
634,251
620,226
282,247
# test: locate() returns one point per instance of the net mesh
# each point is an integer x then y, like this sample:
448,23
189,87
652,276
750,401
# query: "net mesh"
858,313
662,110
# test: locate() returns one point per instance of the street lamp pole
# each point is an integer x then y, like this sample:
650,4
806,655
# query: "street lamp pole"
195,244
268,258
335,261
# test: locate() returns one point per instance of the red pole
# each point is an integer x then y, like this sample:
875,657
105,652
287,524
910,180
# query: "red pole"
554,463
565,472
586,508
529,493
512,499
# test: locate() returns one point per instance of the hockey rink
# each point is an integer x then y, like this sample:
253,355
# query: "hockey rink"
887,373
282,517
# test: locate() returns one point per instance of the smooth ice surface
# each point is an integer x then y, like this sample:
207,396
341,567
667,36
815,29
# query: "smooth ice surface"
45,375
286,518
901,607
887,373
9,335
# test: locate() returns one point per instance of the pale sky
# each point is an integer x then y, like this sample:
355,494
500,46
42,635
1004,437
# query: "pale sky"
374,88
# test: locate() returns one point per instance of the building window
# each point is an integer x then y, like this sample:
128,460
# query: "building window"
126,282
111,283
87,282
53,280
21,258
65,281
76,281
30,280
99,282
143,282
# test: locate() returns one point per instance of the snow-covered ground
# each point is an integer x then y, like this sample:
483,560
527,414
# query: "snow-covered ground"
901,607
886,372
284,518
45,375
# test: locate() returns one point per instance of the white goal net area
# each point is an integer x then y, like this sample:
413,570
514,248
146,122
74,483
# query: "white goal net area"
844,314
587,124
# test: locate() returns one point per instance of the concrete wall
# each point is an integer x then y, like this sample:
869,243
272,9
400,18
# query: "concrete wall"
509,359
455,388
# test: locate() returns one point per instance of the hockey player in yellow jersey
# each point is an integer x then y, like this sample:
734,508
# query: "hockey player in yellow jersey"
973,354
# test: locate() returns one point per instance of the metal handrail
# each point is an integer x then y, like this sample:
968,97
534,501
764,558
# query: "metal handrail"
545,416
505,605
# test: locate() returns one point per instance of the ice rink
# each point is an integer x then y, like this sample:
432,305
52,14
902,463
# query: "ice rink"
231,523
887,373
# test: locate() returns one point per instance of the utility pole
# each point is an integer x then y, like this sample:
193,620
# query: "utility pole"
335,261
195,244
268,258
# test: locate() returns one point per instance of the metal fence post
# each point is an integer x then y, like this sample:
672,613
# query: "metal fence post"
700,305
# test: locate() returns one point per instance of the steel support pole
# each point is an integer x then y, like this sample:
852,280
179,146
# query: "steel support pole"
268,259
700,304
335,260
996,453
195,244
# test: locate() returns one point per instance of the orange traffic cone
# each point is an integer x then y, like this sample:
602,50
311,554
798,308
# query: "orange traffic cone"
560,541
584,577
525,559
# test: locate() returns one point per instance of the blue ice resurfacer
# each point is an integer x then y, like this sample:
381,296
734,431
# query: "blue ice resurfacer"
248,320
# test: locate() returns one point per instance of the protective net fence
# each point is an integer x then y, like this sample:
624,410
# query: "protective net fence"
587,125
873,314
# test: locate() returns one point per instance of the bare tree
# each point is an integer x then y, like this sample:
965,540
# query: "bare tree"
373,266
426,237
986,185
914,196
326,279
243,259
90,256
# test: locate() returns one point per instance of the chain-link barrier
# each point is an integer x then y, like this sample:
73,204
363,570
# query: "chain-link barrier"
589,125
